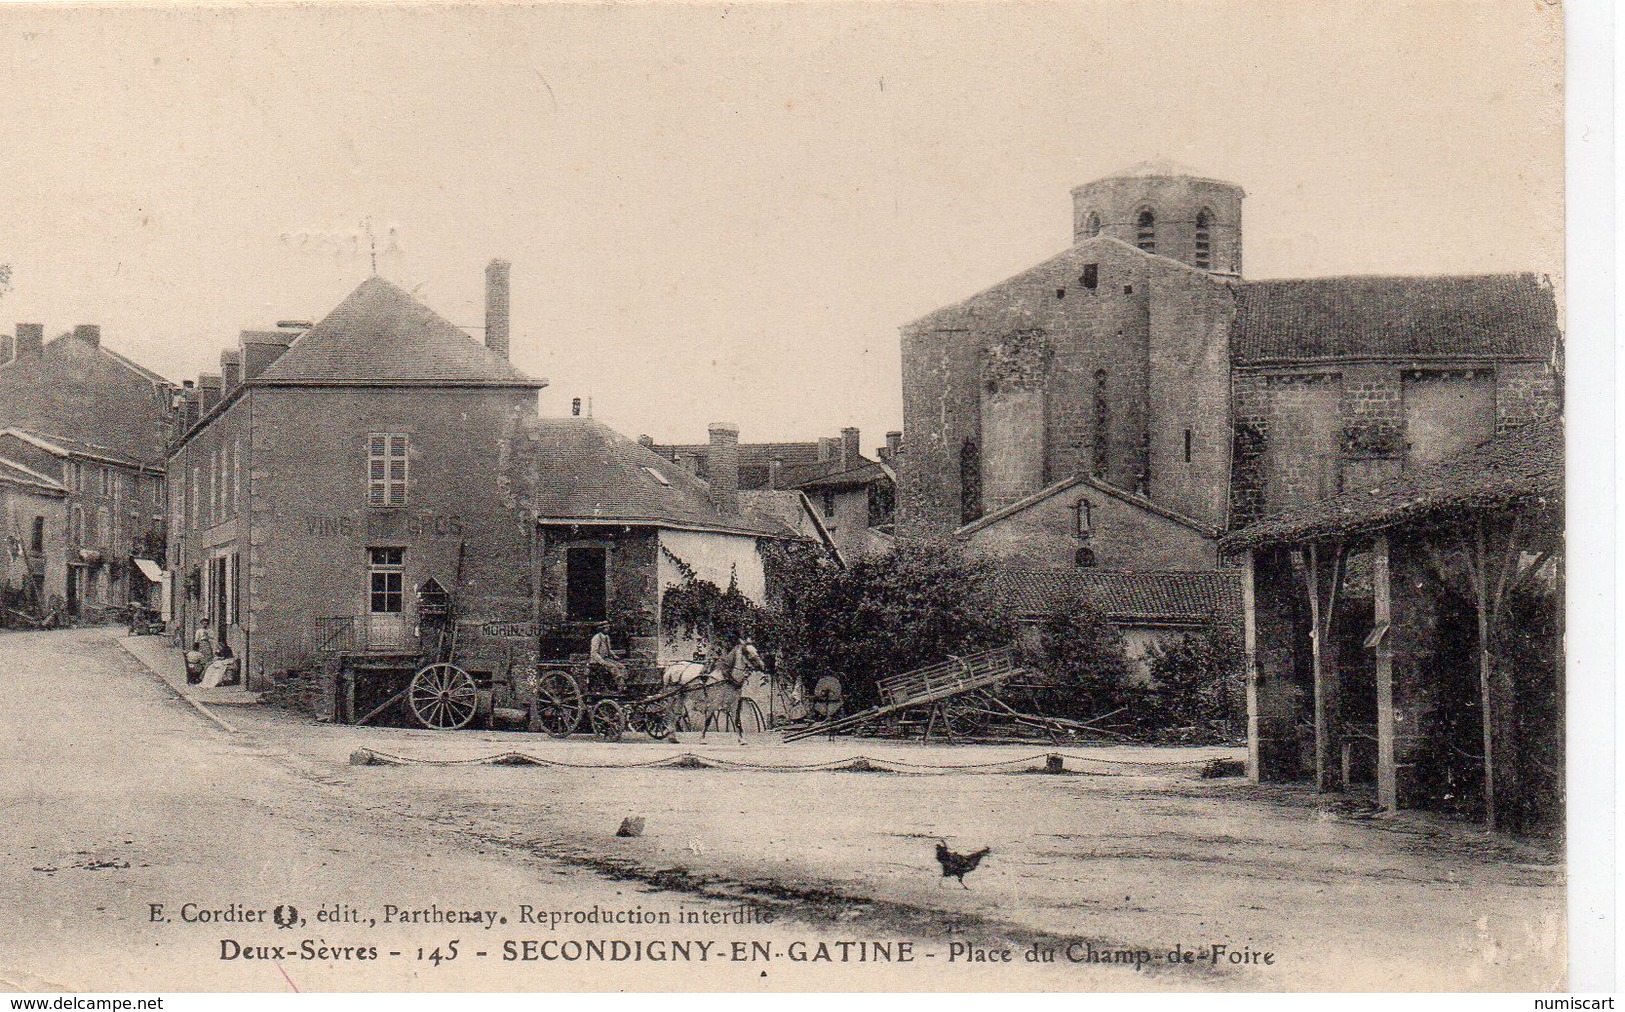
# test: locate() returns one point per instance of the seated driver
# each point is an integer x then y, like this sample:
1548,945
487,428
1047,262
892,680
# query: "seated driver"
601,659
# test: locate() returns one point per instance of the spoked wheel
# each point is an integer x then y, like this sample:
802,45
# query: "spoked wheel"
650,720
443,697
827,697
608,720
559,705
750,718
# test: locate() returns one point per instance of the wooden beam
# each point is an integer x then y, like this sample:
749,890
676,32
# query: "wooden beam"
1382,621
1328,763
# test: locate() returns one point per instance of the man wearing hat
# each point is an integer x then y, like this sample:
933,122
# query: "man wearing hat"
601,659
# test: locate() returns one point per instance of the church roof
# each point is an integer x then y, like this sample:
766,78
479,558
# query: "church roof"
381,335
1523,467
589,473
1156,167
1512,315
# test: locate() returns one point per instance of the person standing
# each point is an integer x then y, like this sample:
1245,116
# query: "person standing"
202,652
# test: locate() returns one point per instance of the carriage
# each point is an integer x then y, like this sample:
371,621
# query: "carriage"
569,694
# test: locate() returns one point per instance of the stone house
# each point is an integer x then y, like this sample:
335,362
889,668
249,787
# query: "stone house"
334,473
112,521
94,422
33,541
618,525
854,494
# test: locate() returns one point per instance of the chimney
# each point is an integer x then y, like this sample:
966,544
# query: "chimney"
851,447
775,472
189,411
894,446
575,407
496,307
826,448
208,387
722,466
30,340
231,369
646,441
5,348
89,333
260,348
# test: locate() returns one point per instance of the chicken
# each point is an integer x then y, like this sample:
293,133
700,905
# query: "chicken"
959,865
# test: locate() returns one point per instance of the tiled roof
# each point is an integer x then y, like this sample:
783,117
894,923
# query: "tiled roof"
1393,317
834,475
380,334
589,473
1126,597
1523,467
1122,495
789,507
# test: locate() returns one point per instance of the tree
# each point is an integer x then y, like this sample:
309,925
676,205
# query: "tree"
1082,664
1196,679
883,616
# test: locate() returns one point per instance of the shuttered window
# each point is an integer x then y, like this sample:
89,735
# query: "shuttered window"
386,469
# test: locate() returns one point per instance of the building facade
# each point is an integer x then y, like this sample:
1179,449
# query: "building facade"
330,475
94,423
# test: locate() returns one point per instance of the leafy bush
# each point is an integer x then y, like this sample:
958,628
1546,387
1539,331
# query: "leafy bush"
698,609
1197,680
881,616
1082,665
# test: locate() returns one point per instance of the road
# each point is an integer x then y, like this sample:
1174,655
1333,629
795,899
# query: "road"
128,798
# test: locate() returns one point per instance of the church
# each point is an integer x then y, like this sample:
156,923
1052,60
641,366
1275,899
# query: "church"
1122,404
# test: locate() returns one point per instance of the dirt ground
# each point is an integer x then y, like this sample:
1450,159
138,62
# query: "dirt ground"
1138,855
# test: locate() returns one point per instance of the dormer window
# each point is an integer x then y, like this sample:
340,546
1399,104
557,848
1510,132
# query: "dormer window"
1145,235
1204,247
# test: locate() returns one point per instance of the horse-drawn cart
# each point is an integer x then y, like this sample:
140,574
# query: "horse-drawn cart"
568,694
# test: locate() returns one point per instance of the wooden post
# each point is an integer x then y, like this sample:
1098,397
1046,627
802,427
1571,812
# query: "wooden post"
1249,639
1328,761
1382,621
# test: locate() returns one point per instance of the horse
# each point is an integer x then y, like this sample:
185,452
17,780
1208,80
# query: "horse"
701,693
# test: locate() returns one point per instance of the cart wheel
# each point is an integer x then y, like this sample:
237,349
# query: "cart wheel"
827,697
652,721
443,697
559,706
608,719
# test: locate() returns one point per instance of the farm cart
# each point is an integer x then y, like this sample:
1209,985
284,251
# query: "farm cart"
568,694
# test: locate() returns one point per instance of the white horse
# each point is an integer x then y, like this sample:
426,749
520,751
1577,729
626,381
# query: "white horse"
704,692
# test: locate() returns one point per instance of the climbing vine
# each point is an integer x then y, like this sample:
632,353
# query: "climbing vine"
698,609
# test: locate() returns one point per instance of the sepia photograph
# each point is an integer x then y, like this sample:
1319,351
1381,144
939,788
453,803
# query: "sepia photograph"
805,497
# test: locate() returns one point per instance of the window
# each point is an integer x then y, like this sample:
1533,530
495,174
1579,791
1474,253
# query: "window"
1187,446
1086,518
76,524
386,469
107,483
1084,558
829,505
1204,249
586,583
1091,225
657,476
1145,235
36,538
386,575
1090,277
192,504
970,481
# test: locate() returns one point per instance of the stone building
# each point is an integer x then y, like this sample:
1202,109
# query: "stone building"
1140,360
855,495
92,422
332,475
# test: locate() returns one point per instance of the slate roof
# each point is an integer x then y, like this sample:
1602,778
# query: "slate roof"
1149,598
1523,467
589,473
1393,317
381,335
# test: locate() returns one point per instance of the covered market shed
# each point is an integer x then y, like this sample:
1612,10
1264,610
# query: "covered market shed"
1408,636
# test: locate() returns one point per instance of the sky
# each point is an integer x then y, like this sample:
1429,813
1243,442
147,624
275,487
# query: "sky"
722,211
